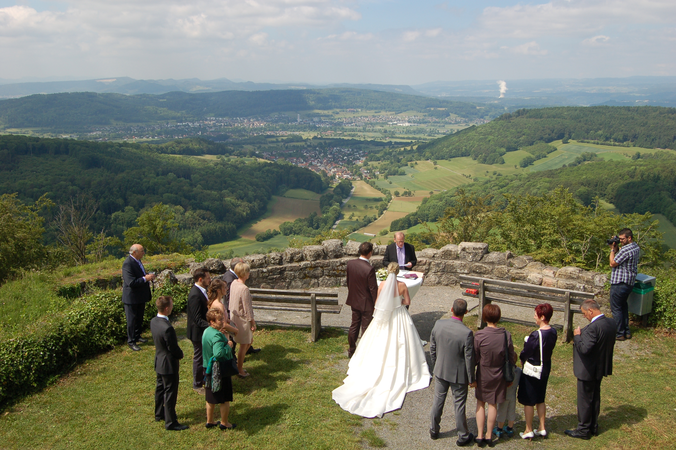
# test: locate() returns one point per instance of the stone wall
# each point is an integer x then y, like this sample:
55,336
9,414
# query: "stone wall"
318,266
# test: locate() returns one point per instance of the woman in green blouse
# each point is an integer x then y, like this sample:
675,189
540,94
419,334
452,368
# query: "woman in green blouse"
215,344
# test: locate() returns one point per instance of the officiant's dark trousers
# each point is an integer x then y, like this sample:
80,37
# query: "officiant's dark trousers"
360,319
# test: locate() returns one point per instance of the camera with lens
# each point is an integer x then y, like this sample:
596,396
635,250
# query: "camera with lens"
613,240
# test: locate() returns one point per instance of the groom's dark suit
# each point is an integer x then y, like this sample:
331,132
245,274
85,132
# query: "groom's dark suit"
592,360
452,354
362,291
167,355
135,294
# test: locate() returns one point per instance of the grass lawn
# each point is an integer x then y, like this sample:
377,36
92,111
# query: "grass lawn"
302,194
668,229
108,402
242,246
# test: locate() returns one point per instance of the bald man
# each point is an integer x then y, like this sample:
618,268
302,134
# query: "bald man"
400,252
135,294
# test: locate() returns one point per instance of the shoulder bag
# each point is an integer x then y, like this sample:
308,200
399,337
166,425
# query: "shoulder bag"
531,370
508,372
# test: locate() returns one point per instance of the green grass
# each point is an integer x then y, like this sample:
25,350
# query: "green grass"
108,402
249,246
302,194
668,229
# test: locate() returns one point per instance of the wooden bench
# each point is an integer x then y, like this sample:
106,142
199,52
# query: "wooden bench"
527,296
316,303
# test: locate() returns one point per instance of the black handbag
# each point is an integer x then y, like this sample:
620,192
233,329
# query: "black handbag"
508,371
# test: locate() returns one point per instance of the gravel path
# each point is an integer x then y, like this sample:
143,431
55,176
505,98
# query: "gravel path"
408,427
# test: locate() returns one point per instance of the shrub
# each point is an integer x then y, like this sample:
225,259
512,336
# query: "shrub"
90,325
664,300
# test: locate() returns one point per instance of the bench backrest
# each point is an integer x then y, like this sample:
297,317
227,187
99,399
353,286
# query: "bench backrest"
286,296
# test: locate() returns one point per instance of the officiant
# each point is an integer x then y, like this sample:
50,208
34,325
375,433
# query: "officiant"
401,252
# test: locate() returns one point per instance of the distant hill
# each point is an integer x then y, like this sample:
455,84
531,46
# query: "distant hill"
216,196
76,111
647,126
633,186
130,86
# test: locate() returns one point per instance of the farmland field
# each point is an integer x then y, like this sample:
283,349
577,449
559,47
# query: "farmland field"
405,204
242,246
383,221
302,194
280,210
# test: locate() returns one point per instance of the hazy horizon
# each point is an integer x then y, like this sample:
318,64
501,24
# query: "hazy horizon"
391,42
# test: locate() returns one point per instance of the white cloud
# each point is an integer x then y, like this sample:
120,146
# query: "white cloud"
529,48
596,40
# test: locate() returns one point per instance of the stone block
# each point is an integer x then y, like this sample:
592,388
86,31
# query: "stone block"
600,280
379,249
550,271
214,265
548,281
480,269
184,278
534,278
352,248
313,252
570,284
472,251
167,277
427,253
458,266
501,272
449,251
193,266
534,267
497,257
519,262
518,275
329,282
377,262
275,258
256,261
569,273
333,248
292,255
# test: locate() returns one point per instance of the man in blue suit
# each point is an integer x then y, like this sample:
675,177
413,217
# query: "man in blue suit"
135,294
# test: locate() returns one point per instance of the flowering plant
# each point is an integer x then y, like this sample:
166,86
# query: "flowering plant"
381,274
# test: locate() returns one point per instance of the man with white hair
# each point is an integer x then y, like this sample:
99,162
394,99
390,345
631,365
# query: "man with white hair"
135,294
400,252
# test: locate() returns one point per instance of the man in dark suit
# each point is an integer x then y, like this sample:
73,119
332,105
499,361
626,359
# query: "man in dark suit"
197,323
229,277
135,294
592,360
362,291
167,356
400,252
452,353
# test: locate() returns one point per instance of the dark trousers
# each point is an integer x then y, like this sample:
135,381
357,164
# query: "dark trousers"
166,392
619,293
588,405
197,367
459,402
134,313
360,319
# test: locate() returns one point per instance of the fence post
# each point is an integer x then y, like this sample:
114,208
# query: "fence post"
315,321
482,302
567,318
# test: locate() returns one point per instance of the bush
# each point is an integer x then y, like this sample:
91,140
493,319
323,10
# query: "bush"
91,325
664,300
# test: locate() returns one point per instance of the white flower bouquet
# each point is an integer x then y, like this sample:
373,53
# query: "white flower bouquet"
381,274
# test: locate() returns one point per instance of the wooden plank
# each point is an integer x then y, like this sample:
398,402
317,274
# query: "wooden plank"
567,319
303,301
482,302
300,308
296,293
580,294
314,331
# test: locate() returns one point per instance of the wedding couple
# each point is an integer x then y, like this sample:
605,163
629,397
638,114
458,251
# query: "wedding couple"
389,361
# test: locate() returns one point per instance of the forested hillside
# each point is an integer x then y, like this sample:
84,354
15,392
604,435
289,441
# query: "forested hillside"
640,185
74,111
214,197
641,126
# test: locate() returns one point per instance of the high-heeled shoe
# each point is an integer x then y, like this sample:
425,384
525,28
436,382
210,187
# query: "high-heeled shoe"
529,435
543,434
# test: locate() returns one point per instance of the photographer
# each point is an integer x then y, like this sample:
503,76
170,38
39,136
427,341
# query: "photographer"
624,262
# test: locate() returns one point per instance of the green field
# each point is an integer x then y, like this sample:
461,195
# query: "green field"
668,229
302,194
243,246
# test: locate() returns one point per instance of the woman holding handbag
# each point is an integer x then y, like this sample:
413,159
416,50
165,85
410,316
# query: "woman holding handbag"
536,358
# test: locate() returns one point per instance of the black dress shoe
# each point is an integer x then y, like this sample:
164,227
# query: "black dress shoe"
578,434
212,425
142,340
159,419
252,350
466,441
134,347
480,442
595,430
223,427
434,435
177,427
627,335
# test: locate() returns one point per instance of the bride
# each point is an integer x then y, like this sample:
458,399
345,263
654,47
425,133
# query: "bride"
389,360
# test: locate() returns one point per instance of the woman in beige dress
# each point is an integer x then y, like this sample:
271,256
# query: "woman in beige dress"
241,311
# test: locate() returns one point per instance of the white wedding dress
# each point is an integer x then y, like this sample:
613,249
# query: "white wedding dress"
388,362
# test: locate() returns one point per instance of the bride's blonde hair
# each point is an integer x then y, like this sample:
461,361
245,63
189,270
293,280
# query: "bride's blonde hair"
393,267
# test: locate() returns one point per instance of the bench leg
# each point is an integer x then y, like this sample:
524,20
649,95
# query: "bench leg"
567,319
316,327
482,302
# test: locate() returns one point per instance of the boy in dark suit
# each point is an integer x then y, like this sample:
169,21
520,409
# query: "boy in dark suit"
362,291
167,356
592,360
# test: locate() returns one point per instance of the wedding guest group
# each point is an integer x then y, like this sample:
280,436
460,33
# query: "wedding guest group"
135,294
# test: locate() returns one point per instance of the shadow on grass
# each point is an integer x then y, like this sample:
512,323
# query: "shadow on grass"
613,417
276,368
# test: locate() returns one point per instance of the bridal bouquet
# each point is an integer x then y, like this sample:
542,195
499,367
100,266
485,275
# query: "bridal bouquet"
381,274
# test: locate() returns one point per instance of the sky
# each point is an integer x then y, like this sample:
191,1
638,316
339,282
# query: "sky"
336,41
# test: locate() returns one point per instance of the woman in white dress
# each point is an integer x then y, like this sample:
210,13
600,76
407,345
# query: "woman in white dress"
389,361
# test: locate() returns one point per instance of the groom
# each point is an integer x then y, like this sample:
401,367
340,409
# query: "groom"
362,290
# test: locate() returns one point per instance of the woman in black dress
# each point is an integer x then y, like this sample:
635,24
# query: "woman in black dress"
531,390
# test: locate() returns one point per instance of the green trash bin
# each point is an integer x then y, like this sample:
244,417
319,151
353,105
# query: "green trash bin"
640,301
